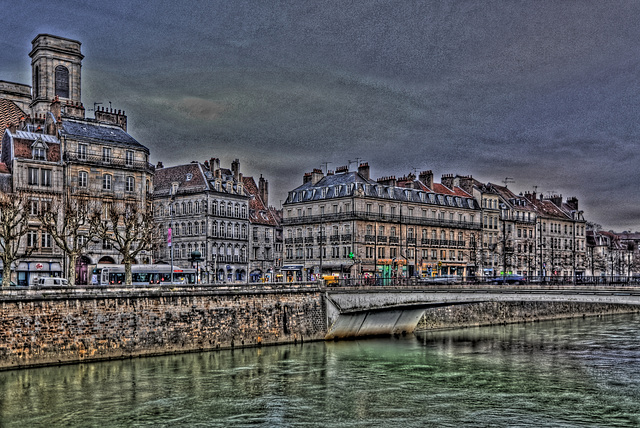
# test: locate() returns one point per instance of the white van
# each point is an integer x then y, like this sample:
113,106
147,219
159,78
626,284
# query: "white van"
60,282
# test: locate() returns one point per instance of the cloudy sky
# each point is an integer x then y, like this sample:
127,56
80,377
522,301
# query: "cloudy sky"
543,92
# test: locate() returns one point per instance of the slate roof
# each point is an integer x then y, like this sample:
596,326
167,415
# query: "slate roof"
258,212
91,131
353,184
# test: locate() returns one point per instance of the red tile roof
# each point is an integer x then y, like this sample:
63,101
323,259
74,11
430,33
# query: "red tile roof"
9,113
258,212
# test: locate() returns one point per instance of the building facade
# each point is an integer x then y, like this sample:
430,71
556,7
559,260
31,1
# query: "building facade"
99,161
203,207
346,224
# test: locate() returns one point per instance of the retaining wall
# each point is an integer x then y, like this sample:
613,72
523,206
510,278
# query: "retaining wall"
492,313
65,328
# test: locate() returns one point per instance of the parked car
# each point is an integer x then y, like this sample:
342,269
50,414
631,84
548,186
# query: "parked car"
440,279
509,279
58,282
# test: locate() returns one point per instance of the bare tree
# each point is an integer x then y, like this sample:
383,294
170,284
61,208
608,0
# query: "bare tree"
129,228
14,224
68,221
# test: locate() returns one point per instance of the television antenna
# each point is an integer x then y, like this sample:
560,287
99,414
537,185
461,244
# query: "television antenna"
508,180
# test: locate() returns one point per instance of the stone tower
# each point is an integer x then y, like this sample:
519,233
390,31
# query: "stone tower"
55,66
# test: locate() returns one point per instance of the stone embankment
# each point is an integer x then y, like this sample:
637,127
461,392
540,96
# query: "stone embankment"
77,326
493,313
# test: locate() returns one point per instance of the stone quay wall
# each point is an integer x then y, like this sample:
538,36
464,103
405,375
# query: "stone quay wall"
493,313
72,327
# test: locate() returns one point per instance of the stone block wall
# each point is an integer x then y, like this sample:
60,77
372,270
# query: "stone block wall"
83,327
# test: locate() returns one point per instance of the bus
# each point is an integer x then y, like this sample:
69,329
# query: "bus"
113,274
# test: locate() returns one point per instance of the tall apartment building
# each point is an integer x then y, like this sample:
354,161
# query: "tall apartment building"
207,209
264,227
98,160
347,224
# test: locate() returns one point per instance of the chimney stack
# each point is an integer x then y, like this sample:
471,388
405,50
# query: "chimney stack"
426,177
235,168
447,180
263,189
363,170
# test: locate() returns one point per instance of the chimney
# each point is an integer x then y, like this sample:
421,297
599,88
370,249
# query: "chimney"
426,177
573,202
316,175
466,183
447,180
263,189
206,165
342,169
363,170
557,200
160,165
235,168
388,181
214,164
306,178
13,128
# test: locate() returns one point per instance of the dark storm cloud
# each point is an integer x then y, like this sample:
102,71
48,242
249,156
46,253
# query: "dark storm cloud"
544,92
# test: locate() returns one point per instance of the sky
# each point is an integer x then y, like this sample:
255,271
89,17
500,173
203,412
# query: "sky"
545,93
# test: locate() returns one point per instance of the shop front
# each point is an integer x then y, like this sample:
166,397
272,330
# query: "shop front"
28,272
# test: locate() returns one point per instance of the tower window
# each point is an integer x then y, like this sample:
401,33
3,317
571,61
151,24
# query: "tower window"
62,82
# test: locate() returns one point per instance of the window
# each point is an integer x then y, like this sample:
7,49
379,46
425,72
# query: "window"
106,182
45,177
130,185
62,81
33,207
34,176
82,179
39,153
82,152
129,158
106,155
46,240
32,238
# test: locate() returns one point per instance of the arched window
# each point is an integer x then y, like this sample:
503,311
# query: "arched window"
197,207
196,228
244,211
222,208
237,211
229,230
190,208
214,207
214,229
229,207
190,228
62,81
36,81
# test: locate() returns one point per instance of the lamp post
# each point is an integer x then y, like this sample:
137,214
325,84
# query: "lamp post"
196,257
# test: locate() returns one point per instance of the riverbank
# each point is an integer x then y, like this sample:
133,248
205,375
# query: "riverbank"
495,313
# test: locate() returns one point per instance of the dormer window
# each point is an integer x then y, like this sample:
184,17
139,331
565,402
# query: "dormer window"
39,150
189,177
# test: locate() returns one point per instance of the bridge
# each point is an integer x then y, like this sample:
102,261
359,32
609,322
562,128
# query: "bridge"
373,311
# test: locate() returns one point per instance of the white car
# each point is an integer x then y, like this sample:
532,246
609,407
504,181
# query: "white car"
58,282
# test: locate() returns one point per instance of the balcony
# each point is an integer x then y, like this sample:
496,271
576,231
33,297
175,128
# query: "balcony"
411,241
98,160
371,239
382,239
394,240
346,238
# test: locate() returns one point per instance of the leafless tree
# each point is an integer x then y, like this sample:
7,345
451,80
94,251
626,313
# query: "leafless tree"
14,224
68,221
129,227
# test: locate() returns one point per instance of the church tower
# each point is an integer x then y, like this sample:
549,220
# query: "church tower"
55,69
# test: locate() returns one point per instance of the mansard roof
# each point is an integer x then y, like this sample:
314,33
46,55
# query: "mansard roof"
353,184
99,132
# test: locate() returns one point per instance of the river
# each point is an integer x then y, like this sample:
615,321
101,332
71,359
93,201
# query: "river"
581,372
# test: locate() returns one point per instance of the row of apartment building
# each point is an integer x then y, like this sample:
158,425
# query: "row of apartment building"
341,223
54,157
345,223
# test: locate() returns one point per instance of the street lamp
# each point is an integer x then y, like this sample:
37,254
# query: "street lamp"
196,257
